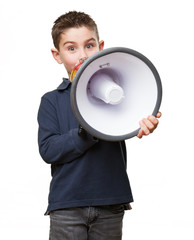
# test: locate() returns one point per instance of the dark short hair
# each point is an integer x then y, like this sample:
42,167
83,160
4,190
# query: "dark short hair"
72,19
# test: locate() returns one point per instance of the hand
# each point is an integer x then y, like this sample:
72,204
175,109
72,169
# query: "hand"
148,125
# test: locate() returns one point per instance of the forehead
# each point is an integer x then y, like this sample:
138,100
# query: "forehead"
80,34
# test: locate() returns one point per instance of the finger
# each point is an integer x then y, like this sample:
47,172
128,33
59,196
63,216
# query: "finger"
159,114
153,120
140,134
144,127
150,124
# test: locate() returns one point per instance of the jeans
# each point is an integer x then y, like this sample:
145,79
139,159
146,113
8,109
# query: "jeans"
87,223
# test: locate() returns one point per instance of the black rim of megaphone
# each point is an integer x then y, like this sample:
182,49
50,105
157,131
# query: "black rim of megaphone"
74,105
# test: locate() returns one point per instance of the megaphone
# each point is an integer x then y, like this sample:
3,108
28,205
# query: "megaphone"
113,90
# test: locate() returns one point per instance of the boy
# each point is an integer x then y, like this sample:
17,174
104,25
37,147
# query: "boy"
90,189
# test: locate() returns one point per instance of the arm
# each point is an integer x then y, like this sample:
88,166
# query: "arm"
54,146
148,125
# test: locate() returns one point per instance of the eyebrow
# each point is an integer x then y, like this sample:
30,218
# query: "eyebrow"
91,39
68,42
72,42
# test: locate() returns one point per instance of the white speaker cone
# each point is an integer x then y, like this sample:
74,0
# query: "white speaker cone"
103,87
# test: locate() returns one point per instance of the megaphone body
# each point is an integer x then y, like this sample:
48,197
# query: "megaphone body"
113,90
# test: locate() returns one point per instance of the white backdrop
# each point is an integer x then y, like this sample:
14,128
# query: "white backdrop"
160,166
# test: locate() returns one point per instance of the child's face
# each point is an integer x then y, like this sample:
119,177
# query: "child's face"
76,43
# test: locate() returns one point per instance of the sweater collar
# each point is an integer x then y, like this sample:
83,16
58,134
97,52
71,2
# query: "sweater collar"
64,85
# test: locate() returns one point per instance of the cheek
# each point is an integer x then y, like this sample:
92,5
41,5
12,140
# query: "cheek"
70,63
93,52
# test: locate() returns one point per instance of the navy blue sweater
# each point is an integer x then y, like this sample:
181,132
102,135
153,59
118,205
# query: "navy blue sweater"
85,171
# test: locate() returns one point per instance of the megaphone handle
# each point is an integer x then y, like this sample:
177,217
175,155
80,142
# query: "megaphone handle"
81,132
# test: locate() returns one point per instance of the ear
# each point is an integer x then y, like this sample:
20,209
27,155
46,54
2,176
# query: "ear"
56,55
101,45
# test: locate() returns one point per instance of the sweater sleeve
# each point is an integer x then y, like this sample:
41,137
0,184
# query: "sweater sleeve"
55,147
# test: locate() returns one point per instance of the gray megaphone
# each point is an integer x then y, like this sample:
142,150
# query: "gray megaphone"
113,90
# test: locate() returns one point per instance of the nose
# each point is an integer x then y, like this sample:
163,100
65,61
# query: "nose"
83,55
81,60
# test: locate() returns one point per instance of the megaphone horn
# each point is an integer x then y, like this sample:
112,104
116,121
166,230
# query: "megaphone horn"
112,90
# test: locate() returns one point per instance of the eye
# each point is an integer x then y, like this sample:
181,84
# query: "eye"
71,49
89,45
